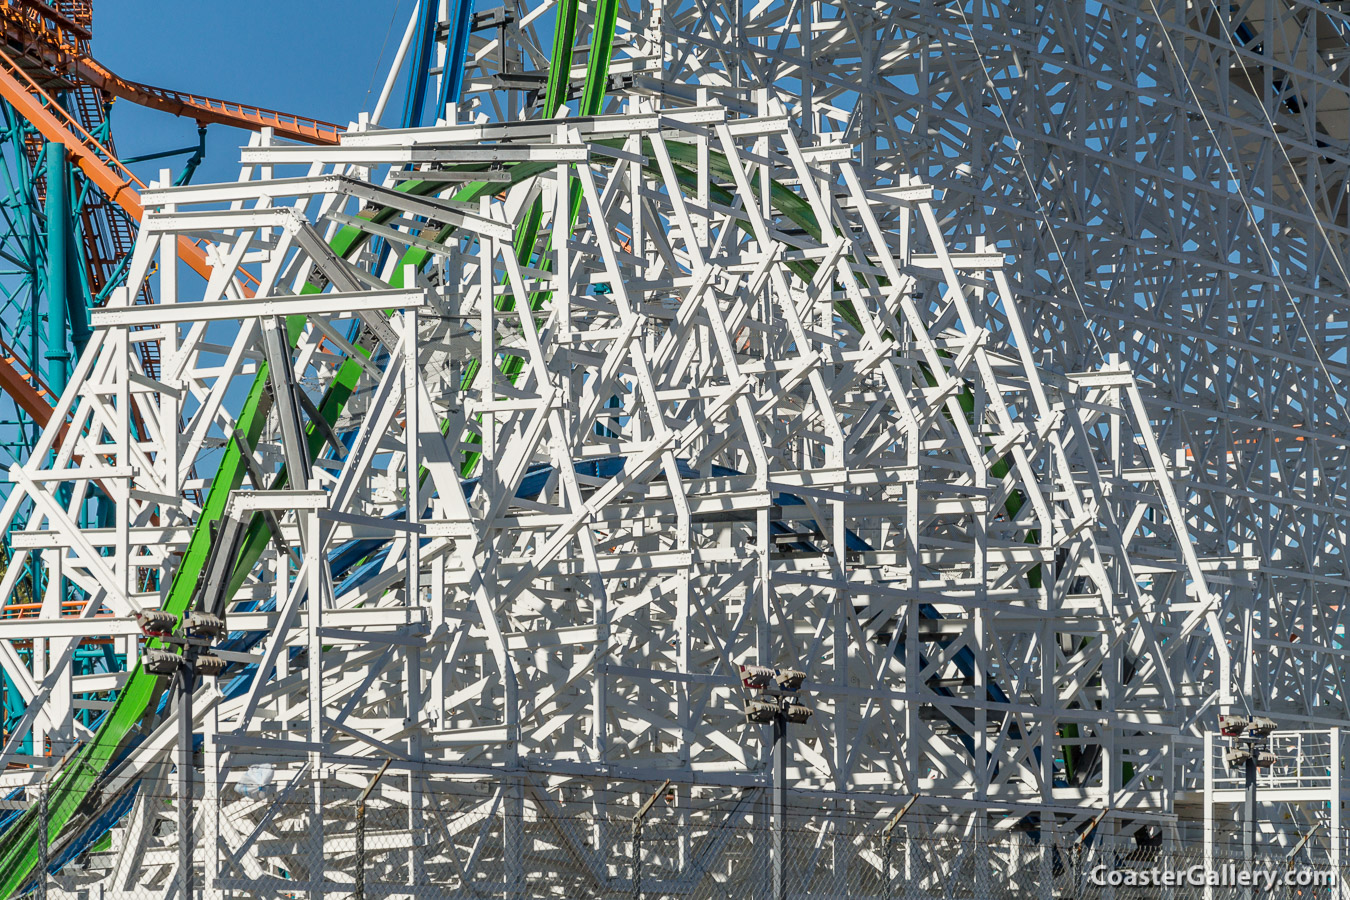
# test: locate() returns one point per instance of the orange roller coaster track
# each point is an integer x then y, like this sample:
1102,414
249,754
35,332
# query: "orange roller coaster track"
54,46
207,110
44,50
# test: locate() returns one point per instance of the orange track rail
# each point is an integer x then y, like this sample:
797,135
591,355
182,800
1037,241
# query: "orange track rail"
207,110
45,39
102,168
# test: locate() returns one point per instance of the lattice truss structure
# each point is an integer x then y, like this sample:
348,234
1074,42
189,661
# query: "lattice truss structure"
726,417
1170,180
1168,177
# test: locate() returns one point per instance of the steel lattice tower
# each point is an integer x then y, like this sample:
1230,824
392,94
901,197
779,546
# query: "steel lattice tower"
981,359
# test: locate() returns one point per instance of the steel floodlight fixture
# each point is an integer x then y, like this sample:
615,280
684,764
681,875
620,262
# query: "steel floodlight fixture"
156,622
767,678
789,681
210,665
760,712
161,662
204,625
780,709
1250,737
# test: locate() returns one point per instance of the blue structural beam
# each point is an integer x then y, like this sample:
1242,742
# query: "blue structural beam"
424,39
456,47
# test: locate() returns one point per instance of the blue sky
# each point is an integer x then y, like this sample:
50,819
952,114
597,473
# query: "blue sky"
313,58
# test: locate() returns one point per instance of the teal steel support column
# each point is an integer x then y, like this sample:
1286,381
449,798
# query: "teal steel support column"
58,266
77,284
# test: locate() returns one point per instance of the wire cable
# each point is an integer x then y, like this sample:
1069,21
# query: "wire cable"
379,63
1017,150
1031,184
1247,204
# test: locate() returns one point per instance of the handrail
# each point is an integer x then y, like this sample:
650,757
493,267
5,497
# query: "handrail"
9,355
69,122
37,21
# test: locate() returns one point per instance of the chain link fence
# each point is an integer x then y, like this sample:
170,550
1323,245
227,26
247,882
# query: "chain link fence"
269,833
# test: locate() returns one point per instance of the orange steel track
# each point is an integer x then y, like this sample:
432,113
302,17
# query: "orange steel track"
54,46
207,110
41,41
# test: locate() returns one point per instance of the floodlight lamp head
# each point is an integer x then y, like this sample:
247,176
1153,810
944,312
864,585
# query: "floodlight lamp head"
1265,759
161,662
210,665
204,625
758,712
757,678
1237,757
1232,726
797,714
156,622
789,681
1260,726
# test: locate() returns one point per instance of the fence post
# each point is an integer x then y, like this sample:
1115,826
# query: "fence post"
44,820
889,888
1292,857
637,838
1081,845
637,859
359,889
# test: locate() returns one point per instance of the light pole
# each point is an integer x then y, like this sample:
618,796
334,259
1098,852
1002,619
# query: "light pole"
1250,738
780,686
198,630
